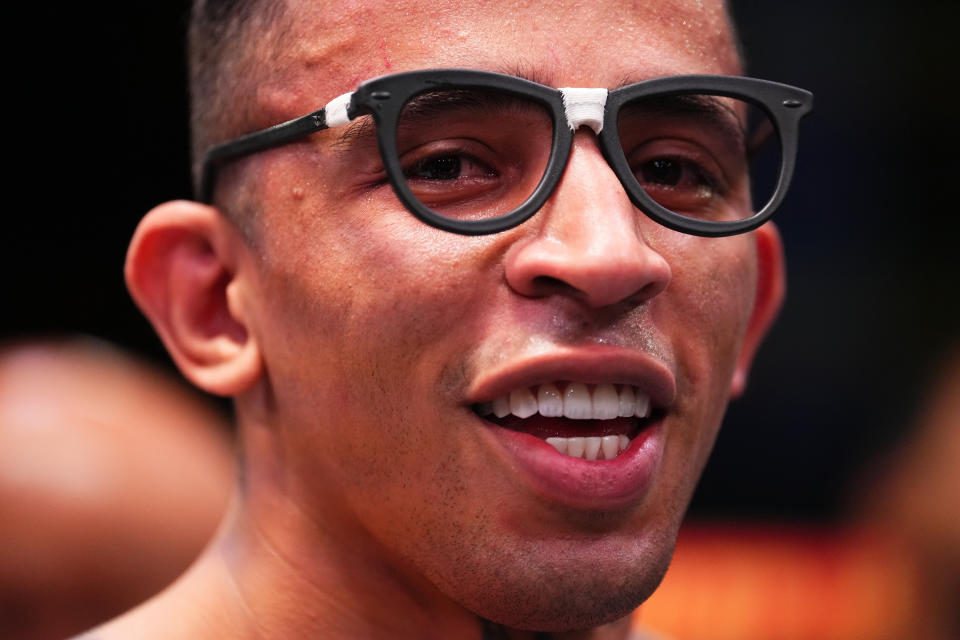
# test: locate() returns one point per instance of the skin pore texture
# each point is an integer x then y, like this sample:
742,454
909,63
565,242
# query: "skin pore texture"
373,501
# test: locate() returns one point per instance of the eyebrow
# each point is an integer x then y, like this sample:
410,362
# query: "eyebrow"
358,131
427,105
636,78
709,108
541,75
706,104
533,73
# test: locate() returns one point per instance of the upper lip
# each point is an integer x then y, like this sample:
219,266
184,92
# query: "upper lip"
591,365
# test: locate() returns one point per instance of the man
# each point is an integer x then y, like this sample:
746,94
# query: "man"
475,381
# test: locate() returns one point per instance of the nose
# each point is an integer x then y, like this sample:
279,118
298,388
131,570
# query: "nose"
588,243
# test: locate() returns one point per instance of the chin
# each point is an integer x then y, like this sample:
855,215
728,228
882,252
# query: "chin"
534,593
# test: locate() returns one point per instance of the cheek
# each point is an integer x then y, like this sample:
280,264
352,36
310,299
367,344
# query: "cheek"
711,297
367,319
363,283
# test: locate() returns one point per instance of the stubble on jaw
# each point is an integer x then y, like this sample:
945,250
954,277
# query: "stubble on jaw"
547,596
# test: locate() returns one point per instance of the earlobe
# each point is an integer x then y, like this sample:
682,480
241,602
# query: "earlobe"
182,271
771,287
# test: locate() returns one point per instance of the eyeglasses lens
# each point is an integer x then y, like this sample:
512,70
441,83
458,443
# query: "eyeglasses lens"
701,156
471,154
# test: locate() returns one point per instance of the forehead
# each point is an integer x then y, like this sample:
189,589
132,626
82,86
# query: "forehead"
327,48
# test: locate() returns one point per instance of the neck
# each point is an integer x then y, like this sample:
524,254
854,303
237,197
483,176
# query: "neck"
346,588
345,585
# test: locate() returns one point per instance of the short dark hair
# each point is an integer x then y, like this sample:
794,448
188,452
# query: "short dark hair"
222,38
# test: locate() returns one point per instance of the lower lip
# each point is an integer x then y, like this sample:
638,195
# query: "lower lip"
590,485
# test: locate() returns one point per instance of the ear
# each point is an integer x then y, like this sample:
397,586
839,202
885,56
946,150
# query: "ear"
771,287
182,271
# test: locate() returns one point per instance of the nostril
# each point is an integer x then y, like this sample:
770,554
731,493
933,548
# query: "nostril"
599,287
650,290
545,285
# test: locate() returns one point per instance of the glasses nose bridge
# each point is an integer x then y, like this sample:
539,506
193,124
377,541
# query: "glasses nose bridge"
584,106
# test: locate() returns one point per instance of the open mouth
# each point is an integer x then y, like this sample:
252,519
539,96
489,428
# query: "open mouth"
588,421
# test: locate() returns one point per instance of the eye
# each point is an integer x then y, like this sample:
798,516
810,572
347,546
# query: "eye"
469,169
681,177
675,173
443,168
448,167
456,177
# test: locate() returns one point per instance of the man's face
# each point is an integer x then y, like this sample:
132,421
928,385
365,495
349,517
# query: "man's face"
380,334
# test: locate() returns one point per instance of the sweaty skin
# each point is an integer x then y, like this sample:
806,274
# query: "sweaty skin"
374,502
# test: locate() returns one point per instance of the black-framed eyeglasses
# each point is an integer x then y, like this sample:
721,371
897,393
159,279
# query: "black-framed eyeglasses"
477,152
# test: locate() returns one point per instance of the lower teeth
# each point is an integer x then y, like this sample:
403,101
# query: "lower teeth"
591,447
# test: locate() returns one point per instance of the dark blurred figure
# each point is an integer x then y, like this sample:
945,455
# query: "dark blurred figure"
112,478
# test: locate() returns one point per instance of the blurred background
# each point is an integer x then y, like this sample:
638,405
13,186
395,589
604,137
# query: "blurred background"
840,394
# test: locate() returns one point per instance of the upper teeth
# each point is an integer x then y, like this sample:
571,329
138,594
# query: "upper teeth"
576,402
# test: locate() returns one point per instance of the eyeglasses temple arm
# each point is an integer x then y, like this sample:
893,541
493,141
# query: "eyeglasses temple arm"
333,114
274,136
